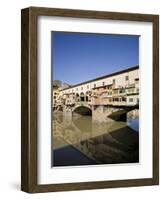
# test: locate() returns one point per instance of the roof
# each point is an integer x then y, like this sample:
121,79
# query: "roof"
106,76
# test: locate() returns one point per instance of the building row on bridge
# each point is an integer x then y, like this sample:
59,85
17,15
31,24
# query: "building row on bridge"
118,89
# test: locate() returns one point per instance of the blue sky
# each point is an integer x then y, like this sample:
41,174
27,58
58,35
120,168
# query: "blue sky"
78,57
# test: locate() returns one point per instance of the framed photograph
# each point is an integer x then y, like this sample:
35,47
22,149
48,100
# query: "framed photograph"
90,99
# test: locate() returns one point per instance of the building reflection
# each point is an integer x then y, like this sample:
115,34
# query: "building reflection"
101,143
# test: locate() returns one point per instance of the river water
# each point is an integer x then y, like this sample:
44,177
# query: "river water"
80,141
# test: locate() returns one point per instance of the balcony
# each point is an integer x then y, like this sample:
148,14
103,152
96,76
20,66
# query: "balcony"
94,94
70,101
119,103
119,92
130,91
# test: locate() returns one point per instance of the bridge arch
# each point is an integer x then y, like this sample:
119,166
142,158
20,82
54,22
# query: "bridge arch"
82,110
119,113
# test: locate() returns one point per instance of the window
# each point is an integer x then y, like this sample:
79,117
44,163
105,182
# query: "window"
76,89
130,99
123,99
87,86
115,91
103,83
113,81
136,80
126,78
131,90
81,88
115,99
94,85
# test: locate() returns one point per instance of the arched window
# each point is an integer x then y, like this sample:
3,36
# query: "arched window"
77,97
87,96
82,96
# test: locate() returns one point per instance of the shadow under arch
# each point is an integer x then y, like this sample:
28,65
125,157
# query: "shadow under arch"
121,115
83,110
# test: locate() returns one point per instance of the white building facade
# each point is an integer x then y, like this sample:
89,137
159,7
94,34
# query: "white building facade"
120,88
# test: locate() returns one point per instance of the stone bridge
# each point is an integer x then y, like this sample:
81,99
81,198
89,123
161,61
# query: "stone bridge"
99,112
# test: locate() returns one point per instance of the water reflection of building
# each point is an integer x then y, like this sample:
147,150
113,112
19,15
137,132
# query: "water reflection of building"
101,142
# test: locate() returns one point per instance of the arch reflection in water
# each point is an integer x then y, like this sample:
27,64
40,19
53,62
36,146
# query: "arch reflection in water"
81,141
